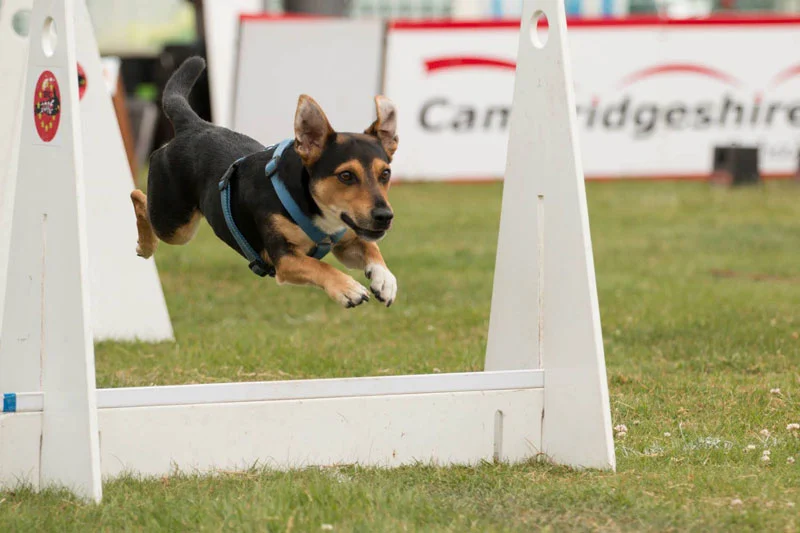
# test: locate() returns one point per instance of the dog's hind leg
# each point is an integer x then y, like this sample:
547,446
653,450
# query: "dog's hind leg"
184,232
148,241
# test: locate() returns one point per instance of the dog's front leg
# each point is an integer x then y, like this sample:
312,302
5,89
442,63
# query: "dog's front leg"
357,253
303,270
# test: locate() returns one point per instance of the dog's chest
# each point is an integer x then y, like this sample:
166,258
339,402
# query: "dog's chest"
293,234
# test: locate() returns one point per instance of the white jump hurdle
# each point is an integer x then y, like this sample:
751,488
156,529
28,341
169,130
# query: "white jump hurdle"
123,310
543,394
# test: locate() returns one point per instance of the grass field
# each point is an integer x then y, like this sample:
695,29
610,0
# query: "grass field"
699,293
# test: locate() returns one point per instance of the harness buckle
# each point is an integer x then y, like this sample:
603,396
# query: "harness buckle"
259,268
226,178
320,250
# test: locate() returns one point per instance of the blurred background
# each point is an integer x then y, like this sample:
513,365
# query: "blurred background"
664,88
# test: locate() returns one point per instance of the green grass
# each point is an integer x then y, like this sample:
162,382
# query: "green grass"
691,355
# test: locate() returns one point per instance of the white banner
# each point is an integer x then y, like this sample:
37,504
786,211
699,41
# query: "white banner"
221,23
338,62
653,98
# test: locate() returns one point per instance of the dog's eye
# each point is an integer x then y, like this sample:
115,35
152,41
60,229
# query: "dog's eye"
346,177
385,175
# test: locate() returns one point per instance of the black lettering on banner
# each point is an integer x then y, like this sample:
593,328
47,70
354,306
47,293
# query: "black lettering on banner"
465,119
645,119
618,112
728,106
593,112
756,109
793,114
502,111
773,106
440,114
703,115
675,116
424,119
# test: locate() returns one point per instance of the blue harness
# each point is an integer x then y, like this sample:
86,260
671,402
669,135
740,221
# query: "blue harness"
323,242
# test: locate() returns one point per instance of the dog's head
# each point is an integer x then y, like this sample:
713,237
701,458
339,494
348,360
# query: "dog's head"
350,172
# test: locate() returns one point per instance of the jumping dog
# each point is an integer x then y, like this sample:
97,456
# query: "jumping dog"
338,182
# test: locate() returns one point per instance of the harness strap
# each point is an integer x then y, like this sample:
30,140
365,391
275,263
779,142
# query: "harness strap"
257,263
323,241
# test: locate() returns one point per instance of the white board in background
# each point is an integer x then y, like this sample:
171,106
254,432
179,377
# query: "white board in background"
221,22
338,62
653,98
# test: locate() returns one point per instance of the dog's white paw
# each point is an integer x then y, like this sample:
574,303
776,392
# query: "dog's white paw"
350,294
383,283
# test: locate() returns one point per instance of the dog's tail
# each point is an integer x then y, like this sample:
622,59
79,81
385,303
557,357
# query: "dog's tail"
175,103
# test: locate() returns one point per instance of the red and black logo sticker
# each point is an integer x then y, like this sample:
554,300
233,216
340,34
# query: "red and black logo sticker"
81,82
47,106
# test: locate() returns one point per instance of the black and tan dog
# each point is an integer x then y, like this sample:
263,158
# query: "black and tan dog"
339,181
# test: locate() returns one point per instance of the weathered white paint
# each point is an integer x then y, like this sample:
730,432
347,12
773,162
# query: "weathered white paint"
544,306
12,75
47,324
19,451
305,389
383,430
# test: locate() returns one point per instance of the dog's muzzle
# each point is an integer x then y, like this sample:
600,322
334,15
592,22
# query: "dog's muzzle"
375,233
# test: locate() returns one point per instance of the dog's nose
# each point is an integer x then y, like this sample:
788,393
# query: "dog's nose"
382,215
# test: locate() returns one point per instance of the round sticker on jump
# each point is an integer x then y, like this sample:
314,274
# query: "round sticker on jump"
47,106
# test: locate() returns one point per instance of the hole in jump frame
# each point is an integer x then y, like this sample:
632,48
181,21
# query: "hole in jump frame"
540,29
49,37
20,22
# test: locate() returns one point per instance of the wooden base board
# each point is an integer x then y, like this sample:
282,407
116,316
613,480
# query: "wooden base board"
383,431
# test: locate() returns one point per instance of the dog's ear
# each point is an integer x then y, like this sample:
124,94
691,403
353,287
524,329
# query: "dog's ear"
311,130
385,126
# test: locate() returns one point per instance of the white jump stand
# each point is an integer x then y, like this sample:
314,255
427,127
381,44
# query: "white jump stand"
543,394
125,292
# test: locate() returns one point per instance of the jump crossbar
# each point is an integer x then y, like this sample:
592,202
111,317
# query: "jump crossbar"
308,389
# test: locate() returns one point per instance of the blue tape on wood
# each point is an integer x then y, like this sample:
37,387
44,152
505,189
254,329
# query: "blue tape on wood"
9,402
